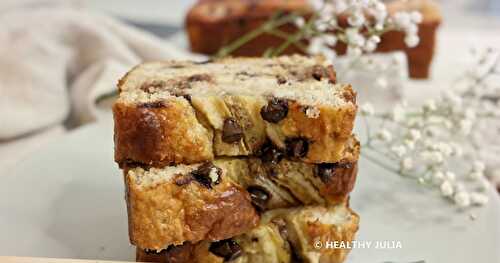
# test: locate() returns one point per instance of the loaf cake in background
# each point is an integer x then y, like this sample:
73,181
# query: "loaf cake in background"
228,158
212,24
283,235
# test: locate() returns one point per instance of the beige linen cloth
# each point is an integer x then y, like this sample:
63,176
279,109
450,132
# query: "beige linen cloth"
55,61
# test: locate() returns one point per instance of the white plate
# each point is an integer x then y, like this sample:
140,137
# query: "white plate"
67,201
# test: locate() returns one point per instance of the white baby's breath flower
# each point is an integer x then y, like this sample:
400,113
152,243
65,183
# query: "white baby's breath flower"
450,176
446,189
478,166
315,46
398,150
411,29
401,19
414,135
354,37
479,199
430,105
384,135
434,157
437,177
379,12
412,40
410,144
354,51
470,114
407,164
356,19
299,22
484,185
371,43
452,99
465,127
462,199
444,148
321,26
329,54
421,180
416,17
329,39
367,109
475,175
457,150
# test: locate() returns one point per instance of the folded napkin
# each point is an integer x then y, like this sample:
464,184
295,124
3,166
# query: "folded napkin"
56,61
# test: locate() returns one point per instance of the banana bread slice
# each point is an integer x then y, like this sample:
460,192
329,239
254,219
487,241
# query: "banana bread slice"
219,199
186,112
284,235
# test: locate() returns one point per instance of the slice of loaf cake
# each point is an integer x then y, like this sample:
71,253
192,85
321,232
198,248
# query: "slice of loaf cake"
185,112
219,199
283,235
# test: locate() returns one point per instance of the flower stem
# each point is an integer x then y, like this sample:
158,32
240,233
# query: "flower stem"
274,22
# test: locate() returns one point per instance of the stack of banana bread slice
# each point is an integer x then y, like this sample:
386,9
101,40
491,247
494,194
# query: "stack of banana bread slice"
237,159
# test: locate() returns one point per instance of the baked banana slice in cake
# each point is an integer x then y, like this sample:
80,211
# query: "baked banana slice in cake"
283,235
185,112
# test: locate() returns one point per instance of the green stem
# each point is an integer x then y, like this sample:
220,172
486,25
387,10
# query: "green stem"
295,37
274,22
284,35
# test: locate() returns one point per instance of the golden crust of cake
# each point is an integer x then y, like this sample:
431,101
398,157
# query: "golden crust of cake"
284,235
168,133
183,112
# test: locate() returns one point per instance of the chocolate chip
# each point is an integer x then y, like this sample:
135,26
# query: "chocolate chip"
151,252
206,175
227,249
199,77
326,171
317,72
297,147
281,79
331,74
183,180
152,105
246,74
260,196
151,87
231,131
275,110
270,154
